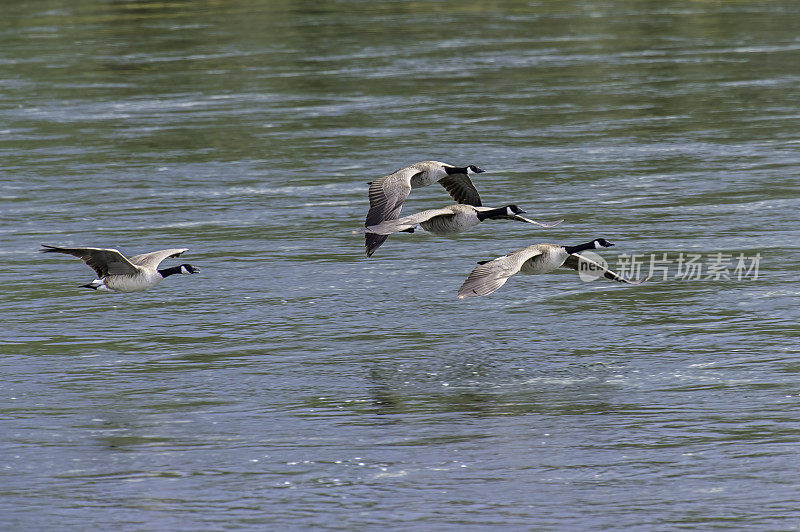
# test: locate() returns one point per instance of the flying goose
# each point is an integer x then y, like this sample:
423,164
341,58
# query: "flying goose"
451,219
387,194
539,258
117,273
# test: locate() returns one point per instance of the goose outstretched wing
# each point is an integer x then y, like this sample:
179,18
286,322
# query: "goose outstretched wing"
573,262
103,261
388,227
386,197
152,260
487,277
518,218
460,187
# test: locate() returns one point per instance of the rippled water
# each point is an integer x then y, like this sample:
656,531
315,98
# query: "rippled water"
296,383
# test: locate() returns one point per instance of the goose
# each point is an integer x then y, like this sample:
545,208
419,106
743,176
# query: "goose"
451,219
117,273
387,193
539,258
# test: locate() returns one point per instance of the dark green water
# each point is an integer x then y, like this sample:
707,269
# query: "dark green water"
295,383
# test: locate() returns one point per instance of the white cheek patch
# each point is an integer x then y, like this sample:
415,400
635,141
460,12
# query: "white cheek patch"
509,211
597,244
184,270
469,170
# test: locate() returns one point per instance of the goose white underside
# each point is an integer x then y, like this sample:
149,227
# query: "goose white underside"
132,283
98,284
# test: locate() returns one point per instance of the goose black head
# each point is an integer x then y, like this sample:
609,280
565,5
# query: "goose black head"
188,268
602,242
471,169
513,209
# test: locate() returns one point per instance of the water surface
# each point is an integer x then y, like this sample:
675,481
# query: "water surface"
295,383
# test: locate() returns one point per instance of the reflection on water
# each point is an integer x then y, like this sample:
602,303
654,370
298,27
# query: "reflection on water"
294,382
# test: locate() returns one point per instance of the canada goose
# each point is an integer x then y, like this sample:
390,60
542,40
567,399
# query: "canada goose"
539,258
451,219
117,273
387,194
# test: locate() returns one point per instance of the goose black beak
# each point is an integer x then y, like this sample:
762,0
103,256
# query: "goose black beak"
522,212
479,170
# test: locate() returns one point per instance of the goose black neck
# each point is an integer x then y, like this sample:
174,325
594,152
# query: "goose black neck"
450,170
579,247
166,272
491,213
